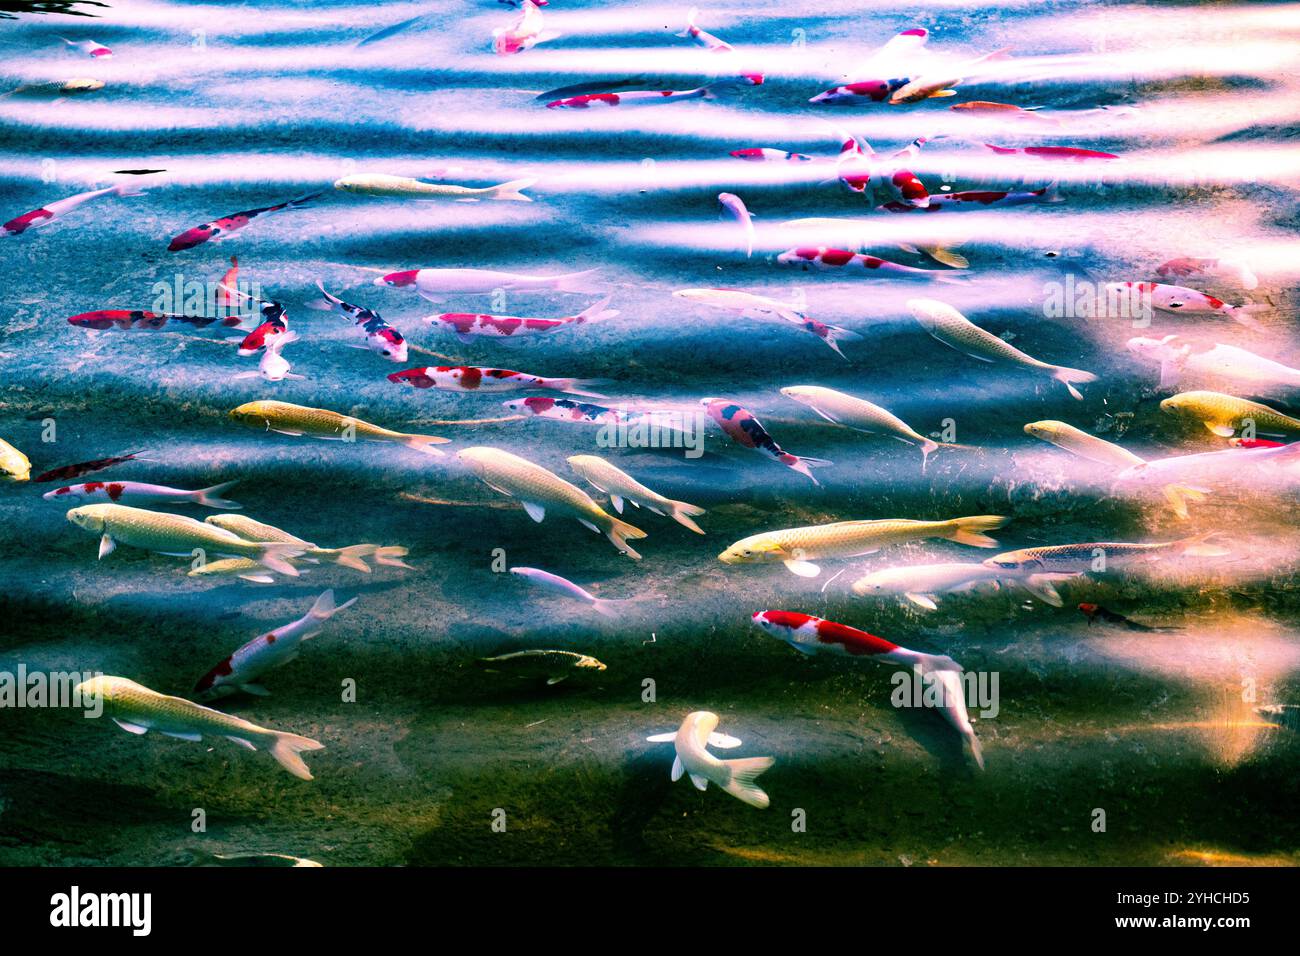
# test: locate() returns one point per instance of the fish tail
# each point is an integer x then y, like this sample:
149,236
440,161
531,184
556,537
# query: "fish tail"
576,386
391,556
948,258
211,497
513,190
690,22
682,513
970,530
618,533
276,555
1052,192
804,465
350,557
286,747
303,200
744,773
1198,546
574,281
128,189
1069,376
836,334
928,448
425,443
325,608
1242,313
597,312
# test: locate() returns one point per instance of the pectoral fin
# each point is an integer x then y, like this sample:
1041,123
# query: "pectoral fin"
1223,431
535,511
555,680
106,545
678,769
663,738
922,600
1040,587
805,569
617,502
701,783
257,690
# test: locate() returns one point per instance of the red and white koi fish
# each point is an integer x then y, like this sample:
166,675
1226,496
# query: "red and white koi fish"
380,336
136,492
650,97
242,670
585,413
228,299
221,228
149,321
432,284
1069,154
273,366
877,90
68,472
746,430
89,47
823,257
1176,298
811,635
467,325
47,214
706,40
1231,269
860,170
978,199
275,322
732,205
764,154
524,33
474,378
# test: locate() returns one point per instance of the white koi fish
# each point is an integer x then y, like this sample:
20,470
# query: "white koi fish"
954,330
524,33
860,415
403,187
736,777
1175,298
47,214
706,40
757,307
732,205
273,366
621,486
90,48
141,493
432,284
813,635
1176,356
609,607
243,669
922,584
138,710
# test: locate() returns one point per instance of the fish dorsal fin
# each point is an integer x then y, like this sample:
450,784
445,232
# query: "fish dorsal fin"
535,511
129,727
678,769
701,783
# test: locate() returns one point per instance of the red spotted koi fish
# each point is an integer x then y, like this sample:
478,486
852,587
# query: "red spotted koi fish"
47,214
746,430
823,257
877,90
149,321
221,228
978,199
468,325
764,154
380,336
136,492
1069,154
861,170
474,378
524,33
649,97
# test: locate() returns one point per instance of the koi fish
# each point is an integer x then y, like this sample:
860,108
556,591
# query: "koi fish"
139,319
380,336
609,607
921,584
538,489
137,710
764,154
929,87
90,48
221,228
14,465
1256,443
474,378
432,283
1080,443
1225,415
141,493
1176,298
585,413
620,487
1192,477
860,170
541,664
860,415
59,88
824,257
1004,111
1095,612
297,420
736,777
649,97
1085,558
524,33
954,330
68,472
979,199
757,306
1175,356
47,214
230,281
376,184
275,323
706,40
732,205
797,548
1232,269
273,366
468,325
242,670
349,557
747,431
1071,154
811,635
877,90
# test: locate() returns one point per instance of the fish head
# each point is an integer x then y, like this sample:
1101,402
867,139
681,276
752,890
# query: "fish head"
253,414
913,191
1010,561
800,393
781,624
415,377
1176,404
92,518
398,280
699,724
1159,350
588,663
99,691
801,255
390,344
873,583
192,237
67,493
1046,430
348,184
479,458
753,79
755,550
